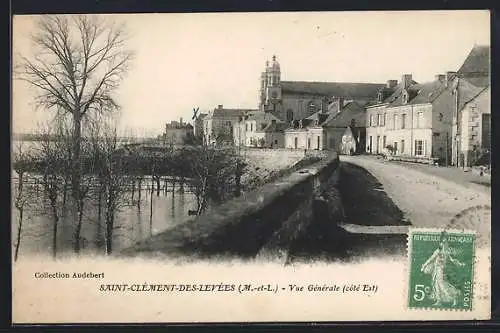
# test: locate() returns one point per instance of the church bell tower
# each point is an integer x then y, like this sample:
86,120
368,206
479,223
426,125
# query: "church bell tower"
270,87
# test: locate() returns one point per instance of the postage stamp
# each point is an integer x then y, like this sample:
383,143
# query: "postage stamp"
441,269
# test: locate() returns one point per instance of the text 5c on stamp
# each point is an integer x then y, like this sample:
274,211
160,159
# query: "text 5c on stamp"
441,269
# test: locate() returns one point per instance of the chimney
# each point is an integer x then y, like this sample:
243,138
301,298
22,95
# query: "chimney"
391,83
219,106
449,75
406,80
336,104
180,121
340,104
440,77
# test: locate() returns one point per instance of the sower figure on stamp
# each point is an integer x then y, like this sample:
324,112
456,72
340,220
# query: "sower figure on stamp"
442,290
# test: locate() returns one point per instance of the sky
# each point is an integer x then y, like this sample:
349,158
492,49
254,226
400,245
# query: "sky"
206,59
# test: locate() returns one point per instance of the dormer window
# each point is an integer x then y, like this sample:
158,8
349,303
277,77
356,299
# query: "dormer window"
405,97
380,97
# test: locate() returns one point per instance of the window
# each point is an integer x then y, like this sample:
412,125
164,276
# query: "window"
228,123
379,120
420,119
289,115
371,120
402,146
275,142
403,121
419,147
384,142
296,142
332,142
251,127
308,143
405,97
379,97
384,119
318,142
246,126
396,121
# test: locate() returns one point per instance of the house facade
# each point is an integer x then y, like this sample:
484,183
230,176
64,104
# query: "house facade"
476,129
253,130
415,120
352,115
326,130
473,79
218,125
304,134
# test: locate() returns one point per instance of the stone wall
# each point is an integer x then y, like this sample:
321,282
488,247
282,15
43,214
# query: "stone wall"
265,222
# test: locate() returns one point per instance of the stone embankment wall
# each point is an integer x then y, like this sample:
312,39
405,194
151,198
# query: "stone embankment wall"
265,223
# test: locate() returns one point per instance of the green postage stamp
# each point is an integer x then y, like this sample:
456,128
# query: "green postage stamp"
441,269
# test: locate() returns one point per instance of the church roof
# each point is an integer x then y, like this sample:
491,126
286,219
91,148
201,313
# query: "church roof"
363,91
261,116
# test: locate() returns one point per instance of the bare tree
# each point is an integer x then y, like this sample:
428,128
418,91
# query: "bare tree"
52,158
21,161
77,63
215,172
113,179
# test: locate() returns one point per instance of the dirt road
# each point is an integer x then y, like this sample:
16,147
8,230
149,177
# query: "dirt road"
430,201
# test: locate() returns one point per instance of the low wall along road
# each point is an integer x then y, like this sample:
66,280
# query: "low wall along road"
269,222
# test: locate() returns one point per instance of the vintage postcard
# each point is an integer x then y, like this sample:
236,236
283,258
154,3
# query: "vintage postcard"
251,167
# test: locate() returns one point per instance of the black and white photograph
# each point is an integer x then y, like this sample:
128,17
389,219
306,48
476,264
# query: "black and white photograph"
245,160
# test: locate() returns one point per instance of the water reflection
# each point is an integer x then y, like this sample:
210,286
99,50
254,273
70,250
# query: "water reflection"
133,222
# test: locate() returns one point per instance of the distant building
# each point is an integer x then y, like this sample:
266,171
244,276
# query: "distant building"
415,120
473,78
198,126
350,118
254,130
177,132
294,100
325,130
475,138
218,125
